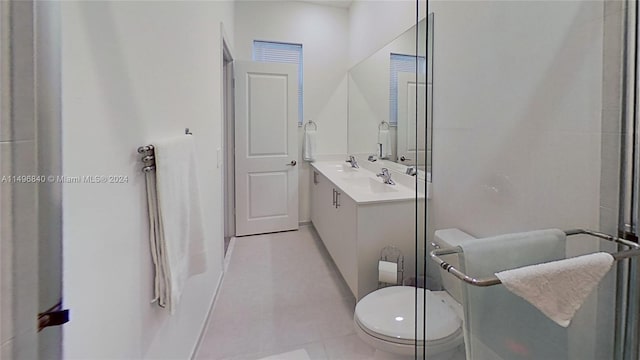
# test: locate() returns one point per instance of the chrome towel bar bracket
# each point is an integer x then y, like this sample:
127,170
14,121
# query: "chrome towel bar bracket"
310,125
490,281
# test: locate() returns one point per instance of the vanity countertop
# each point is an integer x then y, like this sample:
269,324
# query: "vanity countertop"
362,185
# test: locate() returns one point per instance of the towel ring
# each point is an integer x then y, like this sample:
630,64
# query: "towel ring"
490,281
383,126
312,123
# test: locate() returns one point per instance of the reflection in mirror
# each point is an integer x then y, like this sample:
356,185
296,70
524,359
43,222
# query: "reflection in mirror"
387,93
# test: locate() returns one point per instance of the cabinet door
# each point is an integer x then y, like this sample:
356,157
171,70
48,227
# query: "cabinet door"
336,226
345,225
321,204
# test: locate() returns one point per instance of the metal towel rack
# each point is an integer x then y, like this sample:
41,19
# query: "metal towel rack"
149,157
490,281
312,123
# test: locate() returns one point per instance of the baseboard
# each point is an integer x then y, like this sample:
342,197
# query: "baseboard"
208,317
304,223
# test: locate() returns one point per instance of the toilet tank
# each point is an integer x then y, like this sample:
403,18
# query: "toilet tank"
448,238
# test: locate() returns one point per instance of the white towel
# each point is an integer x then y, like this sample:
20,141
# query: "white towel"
494,314
180,245
154,240
558,288
384,138
309,145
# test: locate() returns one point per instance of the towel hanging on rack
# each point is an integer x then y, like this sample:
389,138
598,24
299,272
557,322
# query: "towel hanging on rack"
309,141
558,288
176,231
384,140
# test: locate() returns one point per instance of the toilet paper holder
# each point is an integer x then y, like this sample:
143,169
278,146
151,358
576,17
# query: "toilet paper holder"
390,255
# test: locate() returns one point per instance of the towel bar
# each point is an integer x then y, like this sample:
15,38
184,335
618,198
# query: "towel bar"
490,281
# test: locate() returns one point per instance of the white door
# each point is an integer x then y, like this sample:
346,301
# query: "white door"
408,152
266,147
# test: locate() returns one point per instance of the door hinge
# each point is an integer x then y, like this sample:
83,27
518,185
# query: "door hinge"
55,316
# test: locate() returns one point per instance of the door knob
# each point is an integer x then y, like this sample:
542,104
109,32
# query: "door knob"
402,158
292,163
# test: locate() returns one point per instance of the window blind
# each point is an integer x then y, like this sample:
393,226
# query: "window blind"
275,52
402,63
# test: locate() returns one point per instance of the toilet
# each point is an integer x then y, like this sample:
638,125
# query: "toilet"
385,318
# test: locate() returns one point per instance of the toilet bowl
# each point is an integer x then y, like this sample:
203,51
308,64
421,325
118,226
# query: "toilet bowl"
386,318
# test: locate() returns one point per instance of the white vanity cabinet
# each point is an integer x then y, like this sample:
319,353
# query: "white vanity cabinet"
355,231
334,215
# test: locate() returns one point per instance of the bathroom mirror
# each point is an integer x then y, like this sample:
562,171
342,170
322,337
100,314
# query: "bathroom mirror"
383,90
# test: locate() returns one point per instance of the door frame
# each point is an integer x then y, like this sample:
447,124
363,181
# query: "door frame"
228,142
266,164
401,128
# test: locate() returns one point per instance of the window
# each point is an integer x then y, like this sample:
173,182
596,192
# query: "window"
402,63
268,51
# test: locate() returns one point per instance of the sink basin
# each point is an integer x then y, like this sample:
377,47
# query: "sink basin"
377,186
355,179
367,184
346,168
362,185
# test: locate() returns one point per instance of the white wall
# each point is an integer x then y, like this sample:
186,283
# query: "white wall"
19,240
517,121
323,32
517,104
375,23
133,72
49,128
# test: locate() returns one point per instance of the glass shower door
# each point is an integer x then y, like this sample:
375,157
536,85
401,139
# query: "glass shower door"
526,135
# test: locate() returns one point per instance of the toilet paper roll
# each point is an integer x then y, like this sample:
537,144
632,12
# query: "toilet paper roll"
387,272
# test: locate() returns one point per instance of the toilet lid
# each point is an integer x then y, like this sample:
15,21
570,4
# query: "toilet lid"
390,313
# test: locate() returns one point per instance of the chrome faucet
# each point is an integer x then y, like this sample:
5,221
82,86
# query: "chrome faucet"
411,170
386,177
353,161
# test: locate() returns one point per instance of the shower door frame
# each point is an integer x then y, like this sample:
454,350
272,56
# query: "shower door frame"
626,346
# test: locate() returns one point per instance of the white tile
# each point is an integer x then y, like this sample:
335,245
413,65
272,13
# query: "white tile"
488,176
6,247
315,351
338,318
25,345
289,327
610,170
6,350
348,348
281,292
23,126
299,354
229,335
25,239
564,181
612,52
611,122
612,7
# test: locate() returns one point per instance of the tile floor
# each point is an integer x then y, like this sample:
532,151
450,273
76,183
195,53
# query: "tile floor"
282,292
